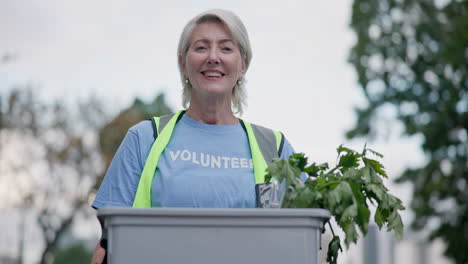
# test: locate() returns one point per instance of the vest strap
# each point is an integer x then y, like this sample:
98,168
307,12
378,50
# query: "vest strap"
166,126
279,141
264,146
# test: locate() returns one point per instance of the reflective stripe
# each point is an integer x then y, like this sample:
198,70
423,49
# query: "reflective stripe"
143,193
278,137
157,121
259,164
267,144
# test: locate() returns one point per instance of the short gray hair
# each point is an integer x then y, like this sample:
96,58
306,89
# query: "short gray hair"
241,38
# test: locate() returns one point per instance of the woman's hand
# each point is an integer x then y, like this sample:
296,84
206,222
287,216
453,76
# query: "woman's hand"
99,254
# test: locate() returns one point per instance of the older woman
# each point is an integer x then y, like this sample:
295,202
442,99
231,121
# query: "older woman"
203,156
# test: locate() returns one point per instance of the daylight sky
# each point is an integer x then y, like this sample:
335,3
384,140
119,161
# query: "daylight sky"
299,81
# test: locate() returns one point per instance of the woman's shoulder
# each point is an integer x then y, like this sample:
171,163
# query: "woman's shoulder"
142,128
261,127
142,134
286,149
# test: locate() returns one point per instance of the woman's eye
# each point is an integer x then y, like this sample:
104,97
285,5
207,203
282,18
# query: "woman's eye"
227,49
200,48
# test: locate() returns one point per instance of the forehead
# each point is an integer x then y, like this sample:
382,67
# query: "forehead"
211,31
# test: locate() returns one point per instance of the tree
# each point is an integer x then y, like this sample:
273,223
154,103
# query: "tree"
64,149
49,159
114,132
412,56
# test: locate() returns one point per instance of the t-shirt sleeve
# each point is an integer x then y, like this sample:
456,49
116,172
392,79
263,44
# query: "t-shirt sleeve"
288,150
122,177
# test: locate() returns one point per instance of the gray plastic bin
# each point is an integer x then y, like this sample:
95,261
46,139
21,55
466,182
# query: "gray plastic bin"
209,236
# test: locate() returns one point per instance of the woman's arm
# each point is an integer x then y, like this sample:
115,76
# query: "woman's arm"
121,180
99,254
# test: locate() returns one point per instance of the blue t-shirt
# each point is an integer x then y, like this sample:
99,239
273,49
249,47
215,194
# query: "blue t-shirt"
203,165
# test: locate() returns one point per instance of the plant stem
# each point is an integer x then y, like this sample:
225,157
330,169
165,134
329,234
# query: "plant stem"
333,233
332,170
331,228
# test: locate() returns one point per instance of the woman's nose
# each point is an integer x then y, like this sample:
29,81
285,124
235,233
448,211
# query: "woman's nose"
213,57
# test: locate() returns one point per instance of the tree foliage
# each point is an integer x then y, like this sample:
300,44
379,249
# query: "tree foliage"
412,56
50,159
64,151
114,131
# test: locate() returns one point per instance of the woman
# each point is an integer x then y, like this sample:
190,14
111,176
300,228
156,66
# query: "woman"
204,156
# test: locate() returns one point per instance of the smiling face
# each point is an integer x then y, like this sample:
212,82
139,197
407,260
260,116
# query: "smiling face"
213,63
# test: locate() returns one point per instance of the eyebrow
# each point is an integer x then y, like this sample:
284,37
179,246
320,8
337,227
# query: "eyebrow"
221,41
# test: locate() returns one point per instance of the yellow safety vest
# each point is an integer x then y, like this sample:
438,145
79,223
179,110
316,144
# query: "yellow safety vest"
265,145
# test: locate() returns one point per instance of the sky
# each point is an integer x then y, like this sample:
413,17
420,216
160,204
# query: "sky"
299,81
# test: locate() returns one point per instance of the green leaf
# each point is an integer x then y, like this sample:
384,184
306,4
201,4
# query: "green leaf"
363,213
357,193
377,166
354,174
344,149
394,202
274,170
320,183
333,247
299,160
349,161
363,218
370,176
375,153
376,190
395,223
379,218
312,170
315,170
304,198
323,166
351,234
282,170
349,213
342,193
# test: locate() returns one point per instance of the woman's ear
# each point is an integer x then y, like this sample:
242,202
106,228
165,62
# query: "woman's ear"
243,66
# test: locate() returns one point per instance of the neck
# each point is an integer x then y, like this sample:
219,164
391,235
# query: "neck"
212,112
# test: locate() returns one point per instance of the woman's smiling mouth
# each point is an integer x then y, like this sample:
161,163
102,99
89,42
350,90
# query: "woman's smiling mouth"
212,74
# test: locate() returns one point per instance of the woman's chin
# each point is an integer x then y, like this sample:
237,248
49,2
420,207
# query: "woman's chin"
215,90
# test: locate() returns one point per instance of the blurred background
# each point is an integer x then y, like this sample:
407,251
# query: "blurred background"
74,76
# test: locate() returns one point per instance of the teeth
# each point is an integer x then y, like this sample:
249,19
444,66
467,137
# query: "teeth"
212,74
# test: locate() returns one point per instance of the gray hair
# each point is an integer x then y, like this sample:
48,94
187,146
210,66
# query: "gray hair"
241,38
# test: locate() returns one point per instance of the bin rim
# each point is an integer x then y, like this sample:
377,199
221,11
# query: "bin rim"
215,212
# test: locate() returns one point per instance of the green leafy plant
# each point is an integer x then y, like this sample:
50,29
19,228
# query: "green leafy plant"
346,191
